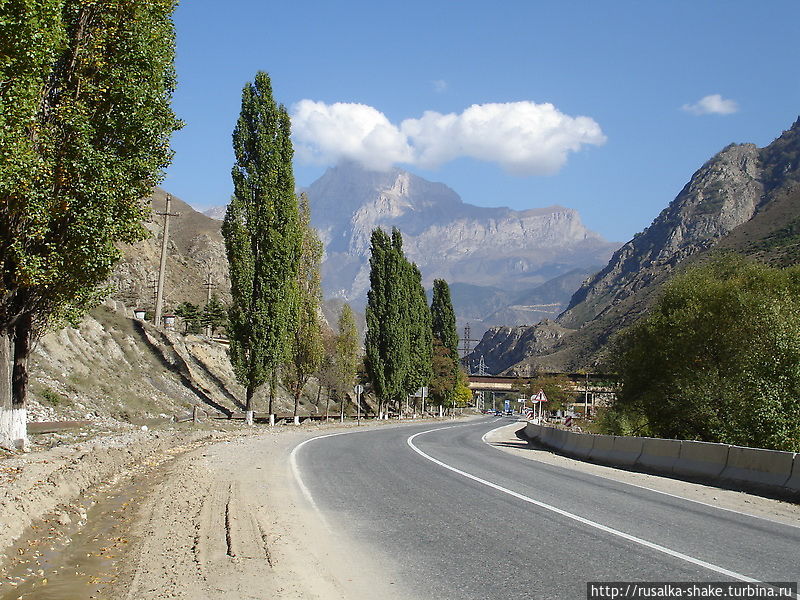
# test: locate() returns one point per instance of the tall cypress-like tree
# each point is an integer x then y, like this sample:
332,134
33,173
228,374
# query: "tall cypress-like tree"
443,317
420,335
85,122
262,240
306,350
388,338
445,338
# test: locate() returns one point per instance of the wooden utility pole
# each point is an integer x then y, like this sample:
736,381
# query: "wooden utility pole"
162,268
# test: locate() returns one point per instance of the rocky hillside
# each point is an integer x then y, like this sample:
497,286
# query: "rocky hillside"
744,199
195,248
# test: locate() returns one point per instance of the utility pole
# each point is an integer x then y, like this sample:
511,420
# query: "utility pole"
162,267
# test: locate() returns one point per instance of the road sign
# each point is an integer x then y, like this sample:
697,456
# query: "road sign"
359,389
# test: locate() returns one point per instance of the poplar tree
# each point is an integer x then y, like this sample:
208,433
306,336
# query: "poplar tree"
85,122
262,240
445,339
420,368
307,350
346,352
387,340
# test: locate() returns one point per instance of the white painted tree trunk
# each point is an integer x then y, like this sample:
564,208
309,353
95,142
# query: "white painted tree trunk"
248,417
272,419
297,420
13,419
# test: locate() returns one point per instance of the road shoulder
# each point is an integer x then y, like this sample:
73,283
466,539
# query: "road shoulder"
505,440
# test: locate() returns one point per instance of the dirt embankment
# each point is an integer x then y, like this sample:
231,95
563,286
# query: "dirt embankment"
174,514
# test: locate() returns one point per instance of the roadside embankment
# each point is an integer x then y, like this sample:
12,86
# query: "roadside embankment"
35,484
754,469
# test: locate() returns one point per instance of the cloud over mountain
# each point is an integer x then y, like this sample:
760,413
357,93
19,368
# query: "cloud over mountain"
524,138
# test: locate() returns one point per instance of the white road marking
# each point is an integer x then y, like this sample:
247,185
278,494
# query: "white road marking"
299,479
574,517
644,487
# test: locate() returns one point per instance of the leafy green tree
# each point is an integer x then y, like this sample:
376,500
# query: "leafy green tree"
445,335
418,320
191,315
445,379
307,351
262,240
346,356
555,387
214,315
387,340
85,123
717,359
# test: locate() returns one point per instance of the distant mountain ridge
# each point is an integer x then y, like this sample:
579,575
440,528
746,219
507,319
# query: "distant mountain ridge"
745,199
487,248
446,237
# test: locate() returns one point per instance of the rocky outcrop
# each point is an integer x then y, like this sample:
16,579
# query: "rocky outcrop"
721,195
744,199
502,347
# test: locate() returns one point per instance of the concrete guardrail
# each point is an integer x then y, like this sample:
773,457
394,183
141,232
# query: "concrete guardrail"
752,468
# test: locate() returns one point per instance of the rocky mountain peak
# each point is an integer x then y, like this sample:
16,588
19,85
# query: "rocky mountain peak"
446,237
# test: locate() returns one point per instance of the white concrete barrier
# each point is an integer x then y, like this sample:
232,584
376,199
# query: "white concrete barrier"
626,450
701,459
659,455
559,438
793,485
533,431
759,466
579,445
754,467
603,448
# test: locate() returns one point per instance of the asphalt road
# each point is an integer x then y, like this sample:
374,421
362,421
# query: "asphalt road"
483,524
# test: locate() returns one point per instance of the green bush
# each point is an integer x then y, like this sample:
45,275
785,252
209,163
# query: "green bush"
717,359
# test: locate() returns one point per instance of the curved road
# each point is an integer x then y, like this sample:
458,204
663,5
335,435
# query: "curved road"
454,518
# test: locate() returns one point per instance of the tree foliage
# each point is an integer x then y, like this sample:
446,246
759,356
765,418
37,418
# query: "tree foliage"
191,315
306,351
398,341
85,124
262,238
214,315
346,353
555,388
446,366
717,359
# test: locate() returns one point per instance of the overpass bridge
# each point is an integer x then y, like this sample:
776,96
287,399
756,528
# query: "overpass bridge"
588,390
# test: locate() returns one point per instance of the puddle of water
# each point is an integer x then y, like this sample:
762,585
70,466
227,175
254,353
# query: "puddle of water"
82,558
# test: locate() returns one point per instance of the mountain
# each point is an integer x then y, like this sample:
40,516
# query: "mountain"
745,199
448,238
504,266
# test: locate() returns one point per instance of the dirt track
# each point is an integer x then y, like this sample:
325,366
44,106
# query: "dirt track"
227,522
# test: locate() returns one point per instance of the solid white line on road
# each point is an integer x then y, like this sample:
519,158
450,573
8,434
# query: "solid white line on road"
298,477
574,517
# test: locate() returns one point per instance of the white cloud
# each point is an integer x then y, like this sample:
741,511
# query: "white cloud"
712,105
327,134
439,86
522,137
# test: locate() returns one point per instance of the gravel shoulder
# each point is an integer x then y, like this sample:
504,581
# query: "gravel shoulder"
504,439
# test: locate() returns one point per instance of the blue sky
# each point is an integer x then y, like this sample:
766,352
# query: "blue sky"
637,72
